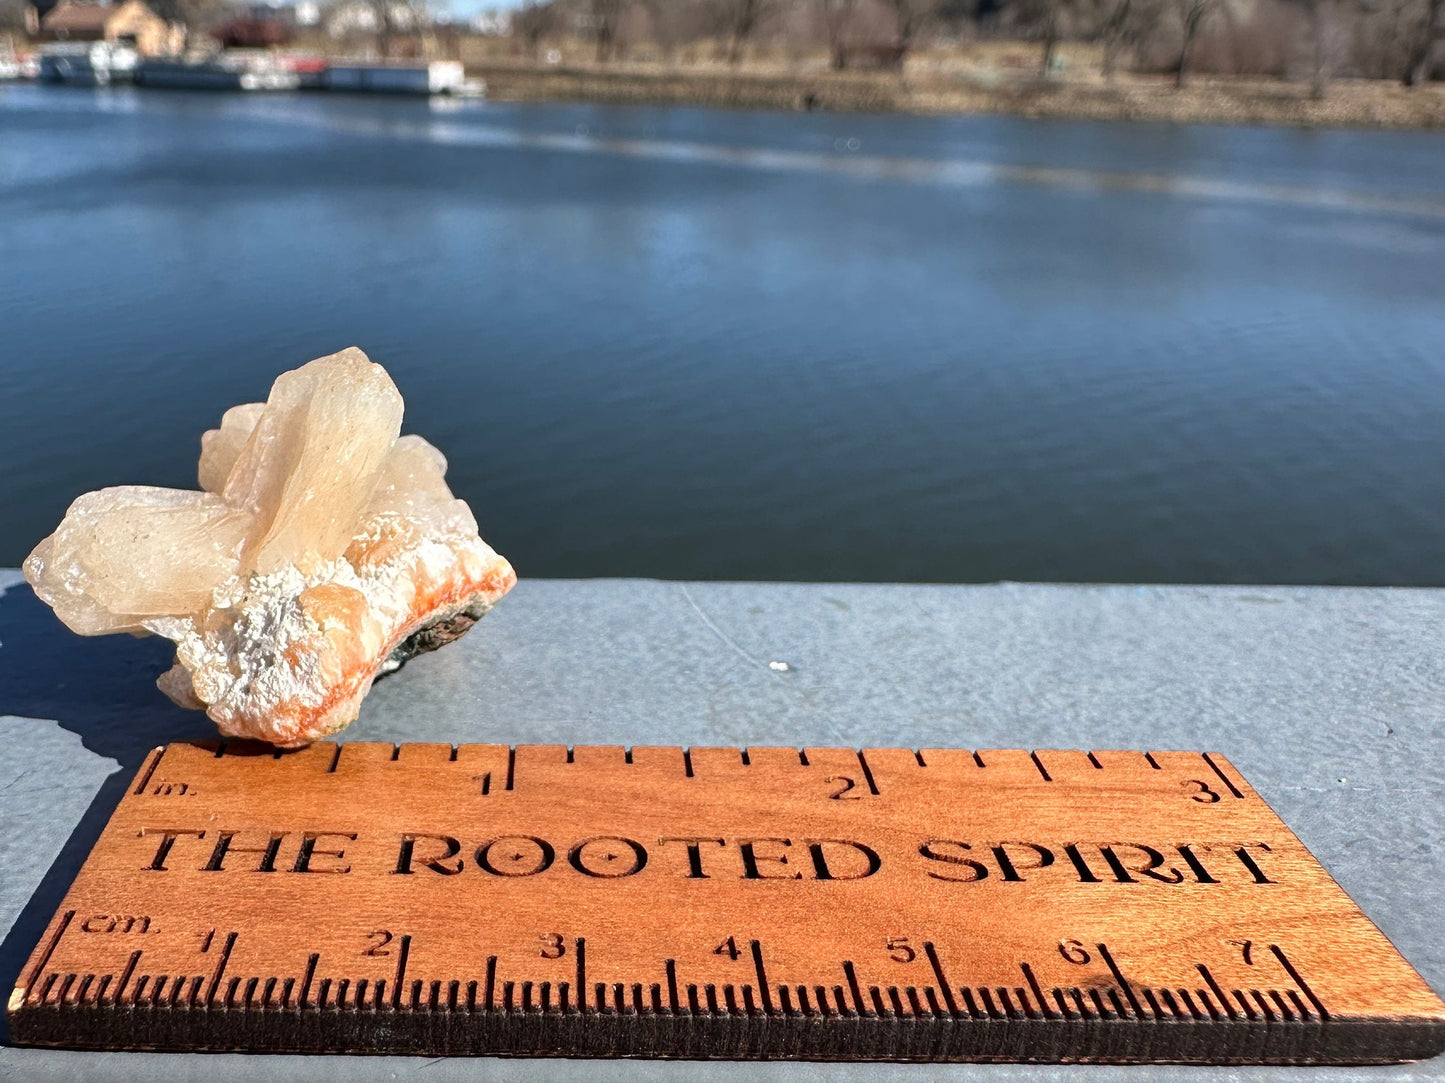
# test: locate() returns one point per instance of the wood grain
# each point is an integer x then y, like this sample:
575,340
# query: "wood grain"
823,903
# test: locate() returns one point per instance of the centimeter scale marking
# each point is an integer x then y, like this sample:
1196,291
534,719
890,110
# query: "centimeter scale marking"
1000,905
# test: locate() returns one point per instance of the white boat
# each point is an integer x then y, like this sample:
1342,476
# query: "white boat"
81,63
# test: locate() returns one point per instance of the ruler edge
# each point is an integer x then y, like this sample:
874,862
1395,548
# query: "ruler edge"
1430,1027
1437,1017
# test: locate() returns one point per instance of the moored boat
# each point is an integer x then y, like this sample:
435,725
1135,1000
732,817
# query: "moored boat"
227,71
93,63
395,77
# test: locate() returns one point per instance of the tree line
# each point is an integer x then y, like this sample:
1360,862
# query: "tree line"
1391,39
1309,39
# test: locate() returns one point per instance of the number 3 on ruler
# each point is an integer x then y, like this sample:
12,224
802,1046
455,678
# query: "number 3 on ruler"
1203,794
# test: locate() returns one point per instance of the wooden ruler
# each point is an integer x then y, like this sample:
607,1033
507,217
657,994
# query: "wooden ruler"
714,902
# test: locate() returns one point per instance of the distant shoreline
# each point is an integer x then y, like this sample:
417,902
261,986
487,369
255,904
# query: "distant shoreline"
1352,103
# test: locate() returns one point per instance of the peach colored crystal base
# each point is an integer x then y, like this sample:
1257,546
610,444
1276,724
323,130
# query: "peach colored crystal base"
321,543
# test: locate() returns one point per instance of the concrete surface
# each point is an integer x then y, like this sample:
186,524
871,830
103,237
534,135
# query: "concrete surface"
1331,701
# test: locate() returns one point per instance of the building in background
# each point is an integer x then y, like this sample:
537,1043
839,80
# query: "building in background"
257,26
129,22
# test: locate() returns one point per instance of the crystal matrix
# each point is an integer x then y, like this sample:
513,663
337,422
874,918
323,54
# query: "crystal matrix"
323,550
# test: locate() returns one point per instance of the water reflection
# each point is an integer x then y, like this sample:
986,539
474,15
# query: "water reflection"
694,343
850,163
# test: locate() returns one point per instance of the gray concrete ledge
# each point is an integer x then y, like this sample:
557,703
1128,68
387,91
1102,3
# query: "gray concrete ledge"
1332,702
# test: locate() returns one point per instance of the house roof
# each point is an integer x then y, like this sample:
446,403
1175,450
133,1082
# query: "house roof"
74,17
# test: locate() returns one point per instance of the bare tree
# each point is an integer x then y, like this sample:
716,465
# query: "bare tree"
1425,25
401,27
662,24
1123,25
960,15
1314,11
836,16
1112,23
909,19
532,22
740,20
1192,14
1043,19
606,14
1050,28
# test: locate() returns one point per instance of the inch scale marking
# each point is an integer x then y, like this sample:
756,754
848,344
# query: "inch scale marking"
999,905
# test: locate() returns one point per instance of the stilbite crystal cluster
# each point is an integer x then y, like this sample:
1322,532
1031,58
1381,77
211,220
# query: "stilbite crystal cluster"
323,550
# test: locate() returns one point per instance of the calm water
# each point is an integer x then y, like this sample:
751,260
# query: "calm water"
711,344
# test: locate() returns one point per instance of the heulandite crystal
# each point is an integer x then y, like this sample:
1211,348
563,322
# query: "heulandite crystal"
323,550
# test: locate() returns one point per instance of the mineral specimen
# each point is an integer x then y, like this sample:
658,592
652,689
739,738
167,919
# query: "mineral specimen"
323,550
